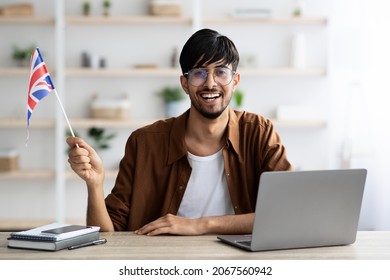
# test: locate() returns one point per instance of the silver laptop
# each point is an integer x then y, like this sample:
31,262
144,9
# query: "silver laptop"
297,209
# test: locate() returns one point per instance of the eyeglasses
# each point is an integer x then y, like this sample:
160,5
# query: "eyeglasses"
198,76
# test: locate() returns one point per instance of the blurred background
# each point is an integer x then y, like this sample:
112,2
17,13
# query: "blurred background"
318,69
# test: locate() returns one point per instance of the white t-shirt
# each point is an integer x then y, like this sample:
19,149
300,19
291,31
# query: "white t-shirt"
207,193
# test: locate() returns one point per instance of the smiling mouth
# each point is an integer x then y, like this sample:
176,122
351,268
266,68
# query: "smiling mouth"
210,96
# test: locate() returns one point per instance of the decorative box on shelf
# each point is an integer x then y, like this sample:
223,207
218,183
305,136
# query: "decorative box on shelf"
17,10
165,8
9,160
102,108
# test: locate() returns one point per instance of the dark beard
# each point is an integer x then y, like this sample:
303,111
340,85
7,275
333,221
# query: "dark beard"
209,115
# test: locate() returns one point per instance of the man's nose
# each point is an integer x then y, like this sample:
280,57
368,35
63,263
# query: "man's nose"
210,82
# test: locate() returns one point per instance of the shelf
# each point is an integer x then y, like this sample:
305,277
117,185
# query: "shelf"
134,123
127,20
80,123
267,21
28,174
300,124
163,72
283,71
21,123
122,72
128,123
26,20
15,72
175,72
44,174
109,174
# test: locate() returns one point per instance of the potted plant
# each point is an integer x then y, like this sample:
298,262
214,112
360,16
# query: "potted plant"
106,7
22,56
297,11
99,137
86,8
238,97
172,97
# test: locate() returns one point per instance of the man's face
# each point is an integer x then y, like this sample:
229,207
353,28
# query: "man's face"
211,88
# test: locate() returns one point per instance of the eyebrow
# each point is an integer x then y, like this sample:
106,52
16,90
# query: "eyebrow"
217,66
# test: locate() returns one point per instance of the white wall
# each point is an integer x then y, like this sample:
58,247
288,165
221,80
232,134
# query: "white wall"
359,89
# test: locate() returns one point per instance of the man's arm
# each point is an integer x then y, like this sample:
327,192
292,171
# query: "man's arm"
88,165
171,224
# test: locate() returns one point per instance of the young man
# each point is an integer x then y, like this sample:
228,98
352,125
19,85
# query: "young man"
194,174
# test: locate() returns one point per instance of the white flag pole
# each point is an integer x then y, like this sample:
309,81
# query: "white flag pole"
66,117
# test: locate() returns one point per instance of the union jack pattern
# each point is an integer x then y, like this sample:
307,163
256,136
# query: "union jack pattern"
40,83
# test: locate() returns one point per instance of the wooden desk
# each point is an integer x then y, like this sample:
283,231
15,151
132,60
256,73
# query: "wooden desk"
126,245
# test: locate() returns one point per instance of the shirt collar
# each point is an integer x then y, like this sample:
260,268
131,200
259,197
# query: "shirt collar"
232,133
177,146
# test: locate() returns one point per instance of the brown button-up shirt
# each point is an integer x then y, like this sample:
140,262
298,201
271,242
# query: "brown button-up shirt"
154,172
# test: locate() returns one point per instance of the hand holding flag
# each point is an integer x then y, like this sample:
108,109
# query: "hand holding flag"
40,85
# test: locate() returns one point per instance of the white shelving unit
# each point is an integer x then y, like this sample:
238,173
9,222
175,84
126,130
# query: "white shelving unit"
267,21
64,74
104,20
27,20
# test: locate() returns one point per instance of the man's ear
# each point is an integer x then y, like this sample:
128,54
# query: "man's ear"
184,84
236,80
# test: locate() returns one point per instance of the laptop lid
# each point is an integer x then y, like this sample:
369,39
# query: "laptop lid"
298,209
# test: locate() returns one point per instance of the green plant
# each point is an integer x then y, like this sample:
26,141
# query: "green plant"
297,12
106,4
170,94
22,54
86,8
238,97
100,139
98,136
106,7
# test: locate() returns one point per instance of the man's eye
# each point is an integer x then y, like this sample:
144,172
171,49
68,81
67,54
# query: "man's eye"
199,73
221,72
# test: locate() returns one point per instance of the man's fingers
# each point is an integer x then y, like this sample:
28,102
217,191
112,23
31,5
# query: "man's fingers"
168,224
80,143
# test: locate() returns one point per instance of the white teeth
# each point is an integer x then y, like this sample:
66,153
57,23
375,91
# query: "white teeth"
210,95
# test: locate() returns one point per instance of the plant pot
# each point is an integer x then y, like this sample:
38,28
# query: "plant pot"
172,109
21,62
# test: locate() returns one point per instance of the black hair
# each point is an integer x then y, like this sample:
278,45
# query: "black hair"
207,46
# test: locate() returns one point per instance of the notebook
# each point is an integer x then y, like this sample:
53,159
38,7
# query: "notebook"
54,232
298,209
53,245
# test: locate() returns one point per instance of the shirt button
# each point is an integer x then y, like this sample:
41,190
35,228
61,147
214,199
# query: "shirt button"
181,188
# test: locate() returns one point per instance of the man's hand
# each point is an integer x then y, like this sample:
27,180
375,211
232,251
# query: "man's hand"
85,161
171,224
87,164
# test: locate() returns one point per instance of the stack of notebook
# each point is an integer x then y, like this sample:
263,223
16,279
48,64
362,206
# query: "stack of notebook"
53,237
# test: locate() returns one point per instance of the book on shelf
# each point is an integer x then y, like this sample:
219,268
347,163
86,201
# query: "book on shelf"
53,237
